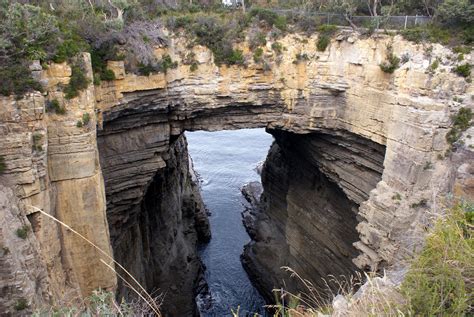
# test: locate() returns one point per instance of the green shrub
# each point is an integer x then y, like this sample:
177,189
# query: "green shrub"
397,196
270,17
259,39
194,66
392,63
324,39
323,42
22,232
147,69
430,33
422,203
3,165
54,105
167,63
16,79
68,49
79,124
257,55
434,66
440,279
77,83
36,140
461,49
463,70
236,57
461,122
107,75
21,304
277,47
86,118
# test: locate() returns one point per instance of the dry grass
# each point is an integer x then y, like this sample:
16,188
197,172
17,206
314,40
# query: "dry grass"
152,304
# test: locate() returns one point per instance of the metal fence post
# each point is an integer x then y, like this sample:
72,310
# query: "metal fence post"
416,19
406,21
328,18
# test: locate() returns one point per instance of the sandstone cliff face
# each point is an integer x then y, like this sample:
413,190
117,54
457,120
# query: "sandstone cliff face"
53,165
355,133
373,136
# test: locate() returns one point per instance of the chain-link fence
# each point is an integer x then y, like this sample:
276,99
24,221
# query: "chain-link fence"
378,22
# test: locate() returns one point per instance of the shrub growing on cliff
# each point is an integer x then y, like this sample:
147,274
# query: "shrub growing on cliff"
3,165
463,70
439,282
461,122
21,304
22,232
324,39
77,83
392,63
270,17
54,106
16,79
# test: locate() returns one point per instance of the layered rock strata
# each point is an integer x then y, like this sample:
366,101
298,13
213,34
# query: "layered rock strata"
340,97
313,185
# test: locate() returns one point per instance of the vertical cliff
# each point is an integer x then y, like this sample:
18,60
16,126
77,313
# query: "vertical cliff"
156,222
313,185
53,164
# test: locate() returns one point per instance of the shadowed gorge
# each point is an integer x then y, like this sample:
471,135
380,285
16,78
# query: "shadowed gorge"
360,160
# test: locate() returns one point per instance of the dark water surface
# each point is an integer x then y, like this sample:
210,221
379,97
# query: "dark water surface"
225,161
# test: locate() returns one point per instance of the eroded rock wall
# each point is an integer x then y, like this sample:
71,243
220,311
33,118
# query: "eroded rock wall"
313,185
155,239
53,165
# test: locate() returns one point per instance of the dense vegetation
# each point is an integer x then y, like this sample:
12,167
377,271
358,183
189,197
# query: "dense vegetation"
57,30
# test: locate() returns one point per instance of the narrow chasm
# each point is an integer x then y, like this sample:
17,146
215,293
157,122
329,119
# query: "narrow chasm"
225,161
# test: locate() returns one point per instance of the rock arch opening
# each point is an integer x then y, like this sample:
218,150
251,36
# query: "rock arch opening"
314,182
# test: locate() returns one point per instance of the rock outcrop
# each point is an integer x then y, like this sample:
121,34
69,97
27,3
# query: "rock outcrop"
368,149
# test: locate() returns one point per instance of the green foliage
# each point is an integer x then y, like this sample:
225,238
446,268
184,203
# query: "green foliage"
3,165
397,196
324,39
270,17
277,47
236,57
86,118
257,55
300,57
54,105
439,280
259,39
463,70
431,33
37,137
194,66
22,232
99,59
107,75
167,63
68,49
77,83
422,203
456,12
16,79
323,42
461,122
434,66
21,304
392,63
160,66
462,49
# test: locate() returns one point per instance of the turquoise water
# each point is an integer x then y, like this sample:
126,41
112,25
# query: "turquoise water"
225,161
